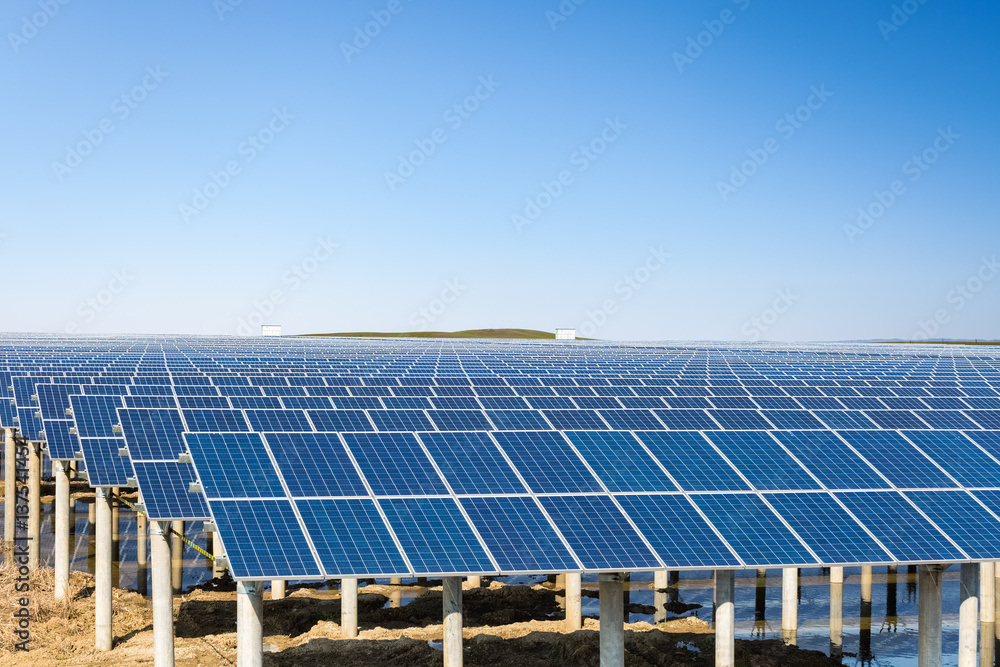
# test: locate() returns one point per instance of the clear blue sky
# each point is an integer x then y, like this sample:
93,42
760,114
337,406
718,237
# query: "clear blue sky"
667,121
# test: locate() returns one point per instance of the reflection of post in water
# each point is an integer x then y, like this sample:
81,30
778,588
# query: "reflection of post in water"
395,595
865,651
891,622
759,620
911,583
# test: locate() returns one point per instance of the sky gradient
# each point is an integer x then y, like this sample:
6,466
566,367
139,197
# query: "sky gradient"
645,170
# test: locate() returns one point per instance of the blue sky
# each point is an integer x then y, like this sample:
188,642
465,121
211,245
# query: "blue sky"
644,170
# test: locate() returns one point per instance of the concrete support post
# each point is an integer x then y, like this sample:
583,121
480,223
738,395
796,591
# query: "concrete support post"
395,595
790,604
612,620
91,536
451,597
836,611
574,609
10,482
725,618
177,555
349,608
968,615
163,595
34,503
660,584
929,616
217,569
277,589
115,544
102,572
249,623
866,583
62,530
475,581
987,593
142,555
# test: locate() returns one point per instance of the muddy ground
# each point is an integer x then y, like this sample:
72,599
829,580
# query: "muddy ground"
515,626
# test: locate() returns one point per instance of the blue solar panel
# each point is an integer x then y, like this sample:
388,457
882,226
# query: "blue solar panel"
897,459
792,419
95,416
518,420
217,402
900,527
300,403
351,538
164,489
460,420
965,521
631,420
435,536
234,465
394,464
547,462
733,402
518,535
835,464
315,464
152,435
599,533
686,420
400,420
59,442
264,540
894,419
959,456
453,403
150,402
740,419
503,403
755,532
256,402
845,419
340,420
692,461
407,403
215,421
985,418
620,461
472,463
105,467
30,424
688,542
826,527
566,420
53,399
762,460
278,420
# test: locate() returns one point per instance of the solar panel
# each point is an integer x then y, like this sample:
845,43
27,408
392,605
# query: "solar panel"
234,465
214,421
394,464
546,462
435,536
152,434
518,420
459,420
471,463
400,420
351,538
692,461
897,459
263,540
518,535
315,464
973,528
827,457
959,456
620,461
105,467
762,461
277,420
163,486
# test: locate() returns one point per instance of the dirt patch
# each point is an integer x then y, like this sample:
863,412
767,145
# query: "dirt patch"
515,626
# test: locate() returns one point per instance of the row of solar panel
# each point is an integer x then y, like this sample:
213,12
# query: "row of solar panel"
282,522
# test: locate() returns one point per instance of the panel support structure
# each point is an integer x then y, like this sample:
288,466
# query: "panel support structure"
968,615
249,623
790,604
929,615
725,618
34,503
836,611
574,613
349,607
612,620
451,598
102,572
177,555
62,530
163,595
277,589
661,579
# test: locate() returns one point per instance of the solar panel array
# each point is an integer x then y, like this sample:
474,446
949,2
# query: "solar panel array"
321,458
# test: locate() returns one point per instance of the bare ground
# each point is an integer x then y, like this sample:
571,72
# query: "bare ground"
516,626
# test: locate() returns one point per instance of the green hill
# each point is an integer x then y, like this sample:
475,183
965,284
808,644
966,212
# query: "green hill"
471,333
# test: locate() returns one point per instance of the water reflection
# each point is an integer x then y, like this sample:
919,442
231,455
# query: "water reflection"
760,626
